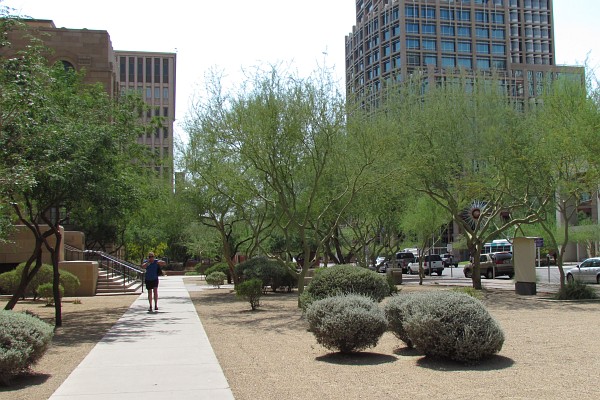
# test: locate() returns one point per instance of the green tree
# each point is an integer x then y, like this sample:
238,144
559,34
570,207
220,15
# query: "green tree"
466,146
65,142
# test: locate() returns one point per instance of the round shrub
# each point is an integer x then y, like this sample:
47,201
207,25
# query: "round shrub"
396,310
446,324
23,341
345,279
44,275
272,273
346,322
250,290
216,278
221,267
46,292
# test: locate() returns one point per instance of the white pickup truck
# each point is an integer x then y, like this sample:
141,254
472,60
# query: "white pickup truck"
431,263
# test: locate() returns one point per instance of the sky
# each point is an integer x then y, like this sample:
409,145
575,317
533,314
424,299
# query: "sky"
233,35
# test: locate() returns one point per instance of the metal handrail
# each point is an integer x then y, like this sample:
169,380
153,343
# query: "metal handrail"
113,265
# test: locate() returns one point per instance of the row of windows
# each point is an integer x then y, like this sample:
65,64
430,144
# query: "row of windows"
149,93
451,30
144,69
451,61
458,46
428,12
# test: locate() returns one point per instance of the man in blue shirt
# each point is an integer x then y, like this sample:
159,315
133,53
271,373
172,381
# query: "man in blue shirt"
152,267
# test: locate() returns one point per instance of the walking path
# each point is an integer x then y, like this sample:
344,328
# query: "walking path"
159,355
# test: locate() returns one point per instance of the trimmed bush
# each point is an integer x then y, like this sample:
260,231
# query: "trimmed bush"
46,292
445,324
220,267
250,290
23,341
347,322
45,274
272,273
216,278
345,279
576,290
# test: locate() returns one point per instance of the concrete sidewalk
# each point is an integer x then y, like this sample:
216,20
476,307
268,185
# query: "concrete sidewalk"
159,355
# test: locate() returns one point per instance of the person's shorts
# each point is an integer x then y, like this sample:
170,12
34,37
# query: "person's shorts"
151,284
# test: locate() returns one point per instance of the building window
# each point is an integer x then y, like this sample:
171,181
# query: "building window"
428,29
131,69
148,70
165,93
165,133
165,111
482,32
395,30
447,30
448,62
148,92
411,11
448,46
465,62
396,46
412,27
483,63
165,70
157,93
430,59
446,14
483,48
412,43
122,69
481,16
427,12
428,44
464,47
413,59
498,48
157,70
498,18
464,31
498,33
499,64
387,50
463,15
140,70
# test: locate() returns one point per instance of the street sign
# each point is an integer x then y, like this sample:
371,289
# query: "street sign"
539,242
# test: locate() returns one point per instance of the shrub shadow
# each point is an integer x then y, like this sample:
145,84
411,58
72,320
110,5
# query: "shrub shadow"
25,380
359,358
492,363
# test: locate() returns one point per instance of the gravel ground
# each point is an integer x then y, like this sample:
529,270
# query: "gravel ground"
84,325
550,351
269,354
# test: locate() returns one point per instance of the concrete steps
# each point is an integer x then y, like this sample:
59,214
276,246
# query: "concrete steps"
113,284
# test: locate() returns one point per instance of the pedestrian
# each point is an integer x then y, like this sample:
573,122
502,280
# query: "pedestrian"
152,266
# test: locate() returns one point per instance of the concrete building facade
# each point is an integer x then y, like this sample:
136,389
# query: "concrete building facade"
152,74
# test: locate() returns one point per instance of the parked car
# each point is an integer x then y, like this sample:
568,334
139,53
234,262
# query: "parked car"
449,260
587,271
403,258
492,265
381,264
431,263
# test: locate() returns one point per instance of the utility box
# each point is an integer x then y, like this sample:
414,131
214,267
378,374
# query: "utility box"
524,249
396,274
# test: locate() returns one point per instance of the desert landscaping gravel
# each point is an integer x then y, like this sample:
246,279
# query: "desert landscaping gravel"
550,352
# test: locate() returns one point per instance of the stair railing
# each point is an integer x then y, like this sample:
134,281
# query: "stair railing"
117,267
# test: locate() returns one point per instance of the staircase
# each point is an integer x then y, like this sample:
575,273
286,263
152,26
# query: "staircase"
115,276
109,283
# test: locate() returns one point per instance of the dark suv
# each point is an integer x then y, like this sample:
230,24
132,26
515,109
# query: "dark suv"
403,258
492,265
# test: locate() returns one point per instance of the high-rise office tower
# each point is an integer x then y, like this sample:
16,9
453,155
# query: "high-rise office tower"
394,38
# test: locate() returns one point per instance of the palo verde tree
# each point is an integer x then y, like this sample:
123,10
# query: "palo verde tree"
465,142
286,136
567,171
67,142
